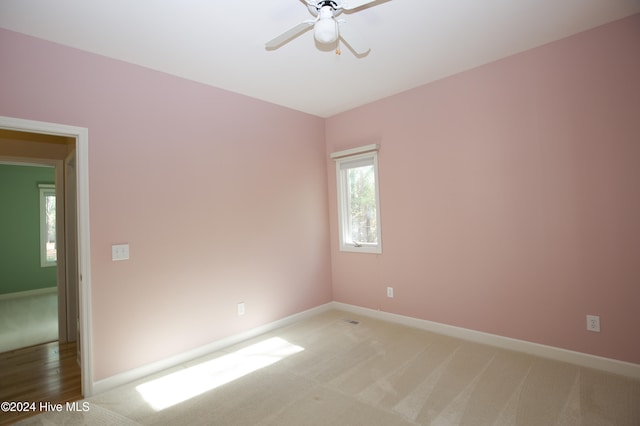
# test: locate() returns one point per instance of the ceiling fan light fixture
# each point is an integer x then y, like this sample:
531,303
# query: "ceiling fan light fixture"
326,31
326,28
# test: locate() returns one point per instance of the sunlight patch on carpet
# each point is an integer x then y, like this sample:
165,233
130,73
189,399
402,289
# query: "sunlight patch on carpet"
185,384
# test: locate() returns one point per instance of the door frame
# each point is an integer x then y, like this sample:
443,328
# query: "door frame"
71,278
81,135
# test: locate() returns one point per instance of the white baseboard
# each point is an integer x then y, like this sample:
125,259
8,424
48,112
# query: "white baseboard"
112,382
558,354
584,360
28,293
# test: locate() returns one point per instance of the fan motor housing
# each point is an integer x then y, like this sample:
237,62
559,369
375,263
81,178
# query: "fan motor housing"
336,5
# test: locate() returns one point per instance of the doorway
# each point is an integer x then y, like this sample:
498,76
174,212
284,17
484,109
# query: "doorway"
30,265
73,167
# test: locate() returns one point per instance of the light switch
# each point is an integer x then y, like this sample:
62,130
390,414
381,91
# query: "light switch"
120,252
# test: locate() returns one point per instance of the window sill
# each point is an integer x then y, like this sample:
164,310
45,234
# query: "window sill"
361,249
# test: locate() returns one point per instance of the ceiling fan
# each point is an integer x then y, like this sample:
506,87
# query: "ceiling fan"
326,28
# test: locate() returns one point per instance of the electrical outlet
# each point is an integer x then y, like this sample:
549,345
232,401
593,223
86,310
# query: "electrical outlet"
240,308
390,292
593,323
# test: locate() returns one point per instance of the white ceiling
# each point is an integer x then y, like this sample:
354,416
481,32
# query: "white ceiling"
221,43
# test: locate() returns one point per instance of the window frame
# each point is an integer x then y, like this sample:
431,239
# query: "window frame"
357,157
46,190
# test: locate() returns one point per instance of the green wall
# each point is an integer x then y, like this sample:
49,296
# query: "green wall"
20,268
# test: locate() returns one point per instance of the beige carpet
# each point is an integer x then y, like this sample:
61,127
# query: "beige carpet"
328,371
27,321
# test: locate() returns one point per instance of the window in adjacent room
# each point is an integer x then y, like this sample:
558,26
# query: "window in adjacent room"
358,199
48,247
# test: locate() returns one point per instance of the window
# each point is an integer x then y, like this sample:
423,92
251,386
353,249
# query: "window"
48,247
358,200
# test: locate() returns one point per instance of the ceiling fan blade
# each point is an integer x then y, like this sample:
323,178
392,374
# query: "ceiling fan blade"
353,39
354,4
288,35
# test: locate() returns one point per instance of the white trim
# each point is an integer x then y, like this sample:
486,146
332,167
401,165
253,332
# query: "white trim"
81,136
28,293
355,151
585,360
609,365
36,162
185,357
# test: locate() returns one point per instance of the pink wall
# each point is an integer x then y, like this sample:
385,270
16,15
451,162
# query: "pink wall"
222,199
510,196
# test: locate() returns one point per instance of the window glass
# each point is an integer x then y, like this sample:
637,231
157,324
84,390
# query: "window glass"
48,245
358,203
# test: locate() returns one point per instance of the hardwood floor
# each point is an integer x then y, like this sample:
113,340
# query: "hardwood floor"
42,373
